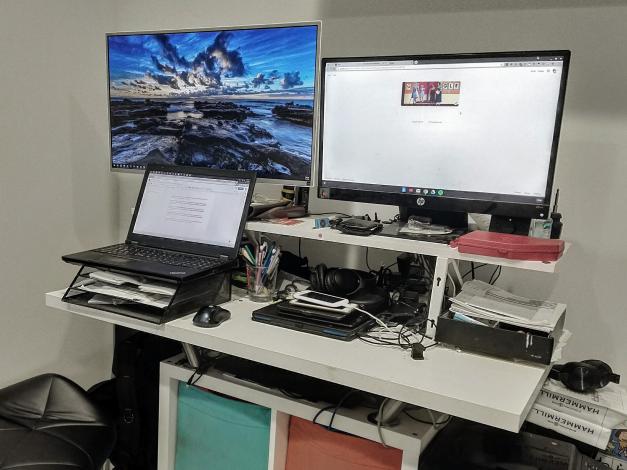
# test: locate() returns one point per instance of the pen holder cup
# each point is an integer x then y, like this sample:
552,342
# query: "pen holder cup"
260,283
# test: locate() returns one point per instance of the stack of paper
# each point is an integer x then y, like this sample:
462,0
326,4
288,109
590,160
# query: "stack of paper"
586,417
483,303
110,287
134,295
117,279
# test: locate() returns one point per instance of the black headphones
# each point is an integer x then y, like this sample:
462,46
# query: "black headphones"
584,376
342,282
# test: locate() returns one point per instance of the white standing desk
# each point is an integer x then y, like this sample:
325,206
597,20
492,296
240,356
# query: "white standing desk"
479,388
487,390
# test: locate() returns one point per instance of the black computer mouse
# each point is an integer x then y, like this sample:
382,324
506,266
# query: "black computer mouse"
211,316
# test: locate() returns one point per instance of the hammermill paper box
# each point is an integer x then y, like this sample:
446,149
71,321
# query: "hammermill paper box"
588,418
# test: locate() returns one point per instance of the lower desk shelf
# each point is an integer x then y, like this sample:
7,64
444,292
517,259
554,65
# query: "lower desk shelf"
409,436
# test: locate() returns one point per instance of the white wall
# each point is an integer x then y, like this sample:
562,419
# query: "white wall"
592,161
56,195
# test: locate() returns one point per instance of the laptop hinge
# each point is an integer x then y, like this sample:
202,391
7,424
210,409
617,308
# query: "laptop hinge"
224,257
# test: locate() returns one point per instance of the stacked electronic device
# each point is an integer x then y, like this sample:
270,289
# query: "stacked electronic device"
317,313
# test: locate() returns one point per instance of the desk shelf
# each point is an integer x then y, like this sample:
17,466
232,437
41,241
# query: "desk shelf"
306,230
445,256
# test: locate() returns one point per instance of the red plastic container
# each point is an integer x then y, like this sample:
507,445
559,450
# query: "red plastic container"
503,245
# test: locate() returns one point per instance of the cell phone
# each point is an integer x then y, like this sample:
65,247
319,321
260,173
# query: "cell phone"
318,298
342,309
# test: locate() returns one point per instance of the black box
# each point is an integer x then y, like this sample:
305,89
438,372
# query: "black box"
504,341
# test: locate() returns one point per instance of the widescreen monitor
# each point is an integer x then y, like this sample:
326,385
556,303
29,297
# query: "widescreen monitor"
455,132
237,98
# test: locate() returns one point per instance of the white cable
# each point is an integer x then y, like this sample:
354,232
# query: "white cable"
458,273
379,322
452,283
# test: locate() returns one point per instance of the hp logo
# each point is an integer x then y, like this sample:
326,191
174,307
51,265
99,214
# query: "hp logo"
420,201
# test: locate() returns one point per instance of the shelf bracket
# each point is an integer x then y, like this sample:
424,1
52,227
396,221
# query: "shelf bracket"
437,293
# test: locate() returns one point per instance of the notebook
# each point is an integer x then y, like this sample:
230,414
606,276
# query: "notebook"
187,222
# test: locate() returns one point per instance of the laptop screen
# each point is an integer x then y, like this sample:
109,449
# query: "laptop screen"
192,208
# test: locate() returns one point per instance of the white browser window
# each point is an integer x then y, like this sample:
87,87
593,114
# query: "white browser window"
191,208
484,127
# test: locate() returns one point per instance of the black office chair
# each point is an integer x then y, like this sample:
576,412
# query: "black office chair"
48,423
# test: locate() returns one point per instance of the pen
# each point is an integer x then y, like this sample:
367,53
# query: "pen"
247,256
250,254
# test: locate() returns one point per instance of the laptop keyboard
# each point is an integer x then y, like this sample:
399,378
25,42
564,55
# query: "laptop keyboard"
143,253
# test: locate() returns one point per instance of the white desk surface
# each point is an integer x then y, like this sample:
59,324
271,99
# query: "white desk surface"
479,388
305,229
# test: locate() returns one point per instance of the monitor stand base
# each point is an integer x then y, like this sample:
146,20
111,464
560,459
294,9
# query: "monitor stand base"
454,220
512,225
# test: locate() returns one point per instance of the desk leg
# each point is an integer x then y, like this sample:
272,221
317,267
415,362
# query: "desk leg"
410,460
168,398
279,429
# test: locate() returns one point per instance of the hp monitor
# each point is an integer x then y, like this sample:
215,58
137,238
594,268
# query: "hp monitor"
439,134
237,98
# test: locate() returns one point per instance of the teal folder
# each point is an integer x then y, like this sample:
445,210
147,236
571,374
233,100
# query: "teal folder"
217,433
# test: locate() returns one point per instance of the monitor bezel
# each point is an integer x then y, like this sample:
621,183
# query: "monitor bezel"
444,203
317,86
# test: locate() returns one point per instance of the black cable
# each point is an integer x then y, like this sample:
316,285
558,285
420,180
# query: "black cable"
497,273
472,270
377,341
289,394
367,263
436,424
337,407
200,371
320,411
300,240
393,264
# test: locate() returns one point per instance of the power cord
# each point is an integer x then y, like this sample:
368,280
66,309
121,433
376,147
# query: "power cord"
378,320
473,268
497,272
335,409
450,278
436,424
199,372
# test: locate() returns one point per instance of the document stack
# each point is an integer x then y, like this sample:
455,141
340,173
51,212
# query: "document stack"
484,304
490,320
586,417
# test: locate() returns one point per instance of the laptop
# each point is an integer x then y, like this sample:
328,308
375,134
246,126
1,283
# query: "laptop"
188,222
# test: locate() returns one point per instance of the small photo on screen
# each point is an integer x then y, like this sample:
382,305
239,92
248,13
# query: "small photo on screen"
239,99
444,93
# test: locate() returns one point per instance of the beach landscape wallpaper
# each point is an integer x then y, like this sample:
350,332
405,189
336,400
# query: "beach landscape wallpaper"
233,99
